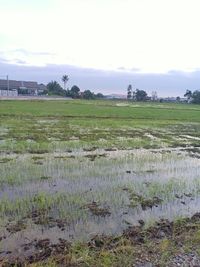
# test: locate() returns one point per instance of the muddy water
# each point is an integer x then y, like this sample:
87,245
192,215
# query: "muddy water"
119,182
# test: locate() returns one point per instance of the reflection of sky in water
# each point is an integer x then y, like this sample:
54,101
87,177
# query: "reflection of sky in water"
103,181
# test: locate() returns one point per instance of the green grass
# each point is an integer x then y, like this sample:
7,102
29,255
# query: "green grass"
101,109
42,126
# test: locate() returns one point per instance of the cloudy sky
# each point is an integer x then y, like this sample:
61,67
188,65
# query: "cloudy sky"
103,45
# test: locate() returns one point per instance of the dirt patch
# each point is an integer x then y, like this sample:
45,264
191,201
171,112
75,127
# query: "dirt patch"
137,199
162,229
40,217
137,234
39,151
69,151
90,149
95,209
41,250
102,241
16,227
92,157
110,149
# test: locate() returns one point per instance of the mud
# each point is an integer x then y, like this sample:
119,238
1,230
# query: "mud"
95,209
137,199
16,227
40,250
40,217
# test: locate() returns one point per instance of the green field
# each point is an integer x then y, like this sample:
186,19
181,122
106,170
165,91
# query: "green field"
86,171
54,125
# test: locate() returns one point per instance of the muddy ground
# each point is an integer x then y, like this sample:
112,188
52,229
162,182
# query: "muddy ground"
163,244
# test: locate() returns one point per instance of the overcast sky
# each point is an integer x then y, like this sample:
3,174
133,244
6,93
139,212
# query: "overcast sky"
103,44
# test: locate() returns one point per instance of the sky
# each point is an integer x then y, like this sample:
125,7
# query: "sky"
103,45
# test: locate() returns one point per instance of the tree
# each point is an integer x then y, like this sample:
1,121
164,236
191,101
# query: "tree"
65,79
129,91
178,99
87,94
140,95
99,95
68,93
193,97
75,92
188,94
54,88
196,97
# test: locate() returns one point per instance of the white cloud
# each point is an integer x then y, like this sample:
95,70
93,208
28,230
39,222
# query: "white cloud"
153,36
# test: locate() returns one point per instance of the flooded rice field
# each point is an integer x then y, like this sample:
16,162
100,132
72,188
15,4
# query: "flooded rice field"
80,193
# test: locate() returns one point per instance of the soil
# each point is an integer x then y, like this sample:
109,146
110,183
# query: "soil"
39,217
90,149
16,227
43,249
95,209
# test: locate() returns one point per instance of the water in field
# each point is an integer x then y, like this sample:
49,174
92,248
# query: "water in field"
78,194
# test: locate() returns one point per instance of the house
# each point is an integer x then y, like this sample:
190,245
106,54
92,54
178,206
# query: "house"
22,87
5,93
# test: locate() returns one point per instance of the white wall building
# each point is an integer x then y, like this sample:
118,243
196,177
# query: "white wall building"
8,92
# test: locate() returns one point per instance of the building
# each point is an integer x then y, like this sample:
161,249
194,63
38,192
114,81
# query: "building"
22,87
41,88
4,93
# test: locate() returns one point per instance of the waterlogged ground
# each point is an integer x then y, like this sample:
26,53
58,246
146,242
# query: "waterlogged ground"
72,178
79,194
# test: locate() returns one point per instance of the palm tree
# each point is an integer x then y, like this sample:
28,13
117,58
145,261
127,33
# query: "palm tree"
65,79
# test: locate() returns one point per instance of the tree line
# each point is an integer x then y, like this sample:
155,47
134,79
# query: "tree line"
54,88
141,95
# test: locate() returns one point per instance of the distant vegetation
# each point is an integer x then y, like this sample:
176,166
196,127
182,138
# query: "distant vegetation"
193,97
54,88
137,95
65,79
141,95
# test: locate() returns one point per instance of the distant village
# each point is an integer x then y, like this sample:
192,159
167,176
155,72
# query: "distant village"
14,88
